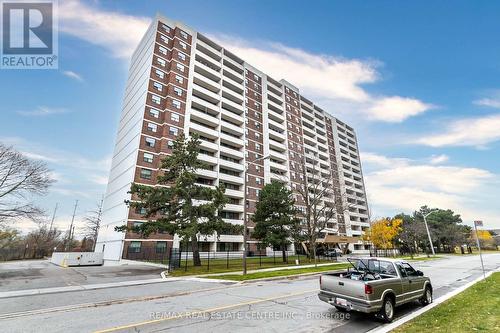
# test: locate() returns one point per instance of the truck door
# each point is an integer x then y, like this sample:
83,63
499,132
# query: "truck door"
416,281
405,284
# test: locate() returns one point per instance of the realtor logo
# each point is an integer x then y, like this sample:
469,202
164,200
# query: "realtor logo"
29,35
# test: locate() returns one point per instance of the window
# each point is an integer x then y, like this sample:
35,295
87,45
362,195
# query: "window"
180,67
165,28
134,247
152,127
161,62
157,86
140,211
178,91
160,74
175,117
150,142
183,45
148,158
181,56
179,79
146,173
170,144
154,113
173,130
156,99
258,180
255,77
257,147
257,135
162,50
184,34
161,247
164,39
176,104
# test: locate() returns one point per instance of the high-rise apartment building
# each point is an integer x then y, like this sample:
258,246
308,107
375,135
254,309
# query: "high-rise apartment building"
180,81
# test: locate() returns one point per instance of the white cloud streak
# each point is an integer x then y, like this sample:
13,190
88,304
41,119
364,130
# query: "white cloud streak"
42,111
466,132
73,75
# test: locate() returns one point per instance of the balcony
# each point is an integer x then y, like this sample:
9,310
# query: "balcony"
274,105
232,95
234,208
204,117
206,173
230,178
230,62
277,145
231,116
206,83
234,193
235,222
238,154
281,167
210,146
231,128
275,116
277,155
204,131
230,105
207,71
212,160
231,140
277,135
208,50
233,75
276,124
204,93
231,165
203,104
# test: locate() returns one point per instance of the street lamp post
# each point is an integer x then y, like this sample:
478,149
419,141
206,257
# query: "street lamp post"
428,233
245,225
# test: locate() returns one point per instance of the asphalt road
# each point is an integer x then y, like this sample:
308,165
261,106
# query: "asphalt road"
193,306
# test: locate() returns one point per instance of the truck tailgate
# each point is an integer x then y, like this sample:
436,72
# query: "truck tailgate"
343,286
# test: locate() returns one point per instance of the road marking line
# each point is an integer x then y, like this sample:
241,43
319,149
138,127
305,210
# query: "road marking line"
201,312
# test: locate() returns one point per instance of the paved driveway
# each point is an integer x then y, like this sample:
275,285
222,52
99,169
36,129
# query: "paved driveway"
35,274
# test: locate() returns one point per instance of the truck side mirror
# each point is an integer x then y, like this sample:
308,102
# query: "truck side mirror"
420,273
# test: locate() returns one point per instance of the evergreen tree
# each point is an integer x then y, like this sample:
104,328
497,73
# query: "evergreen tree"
179,205
275,217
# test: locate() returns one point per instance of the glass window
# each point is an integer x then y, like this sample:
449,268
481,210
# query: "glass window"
164,39
160,74
165,28
175,117
176,104
152,127
135,247
173,131
161,247
148,158
146,173
181,56
156,99
157,86
150,142
179,79
178,91
183,45
170,144
184,34
154,113
179,67
161,62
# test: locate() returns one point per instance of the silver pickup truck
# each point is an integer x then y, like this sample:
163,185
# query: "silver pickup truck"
375,286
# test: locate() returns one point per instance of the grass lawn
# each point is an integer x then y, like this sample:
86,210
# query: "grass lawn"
477,309
232,265
284,272
422,258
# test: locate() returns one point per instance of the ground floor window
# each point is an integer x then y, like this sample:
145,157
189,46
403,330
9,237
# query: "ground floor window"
134,247
228,246
161,247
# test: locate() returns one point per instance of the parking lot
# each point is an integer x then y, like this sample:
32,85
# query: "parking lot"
36,274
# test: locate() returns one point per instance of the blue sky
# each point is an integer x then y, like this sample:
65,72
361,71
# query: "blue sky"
419,81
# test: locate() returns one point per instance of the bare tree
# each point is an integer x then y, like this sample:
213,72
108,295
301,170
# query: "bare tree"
20,178
42,241
93,223
317,192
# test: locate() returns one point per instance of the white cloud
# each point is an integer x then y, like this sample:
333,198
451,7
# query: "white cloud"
118,33
42,111
101,180
403,185
466,132
488,102
397,109
327,79
73,75
438,159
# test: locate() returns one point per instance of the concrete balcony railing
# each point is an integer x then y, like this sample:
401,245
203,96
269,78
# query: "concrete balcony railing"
234,208
234,193
238,154
231,178
204,118
212,160
231,165
203,130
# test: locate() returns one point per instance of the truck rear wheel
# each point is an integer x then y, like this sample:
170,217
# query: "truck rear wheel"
386,313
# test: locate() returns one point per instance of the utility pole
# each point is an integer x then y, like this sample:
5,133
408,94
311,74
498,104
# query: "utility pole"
99,213
53,217
71,229
427,228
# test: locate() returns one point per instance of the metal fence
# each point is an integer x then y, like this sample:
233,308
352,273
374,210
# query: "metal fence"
219,261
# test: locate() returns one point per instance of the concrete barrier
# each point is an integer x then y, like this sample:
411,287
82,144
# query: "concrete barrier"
66,259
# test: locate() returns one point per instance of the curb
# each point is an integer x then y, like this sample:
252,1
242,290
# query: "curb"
389,327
